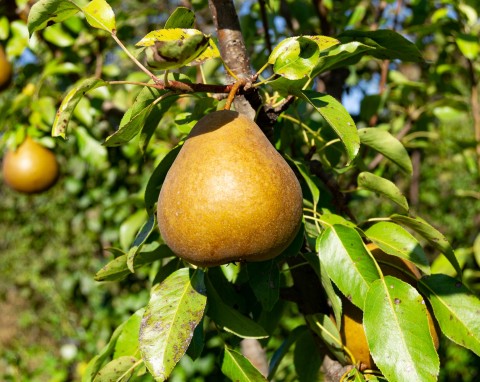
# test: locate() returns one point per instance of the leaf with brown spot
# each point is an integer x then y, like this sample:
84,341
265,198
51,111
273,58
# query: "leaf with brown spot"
69,103
175,308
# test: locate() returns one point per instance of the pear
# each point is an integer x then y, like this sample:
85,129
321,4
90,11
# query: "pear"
229,196
5,70
31,168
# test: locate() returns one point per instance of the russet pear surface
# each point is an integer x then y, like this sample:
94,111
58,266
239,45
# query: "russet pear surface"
229,196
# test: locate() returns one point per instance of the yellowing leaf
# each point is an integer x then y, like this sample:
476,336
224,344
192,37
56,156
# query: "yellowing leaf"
175,47
100,15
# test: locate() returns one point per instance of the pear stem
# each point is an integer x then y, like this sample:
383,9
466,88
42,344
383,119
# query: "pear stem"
233,92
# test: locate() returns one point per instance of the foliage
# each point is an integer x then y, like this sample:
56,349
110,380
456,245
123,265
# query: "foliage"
99,74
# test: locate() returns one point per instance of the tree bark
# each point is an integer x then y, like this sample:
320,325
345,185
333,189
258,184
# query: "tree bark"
232,47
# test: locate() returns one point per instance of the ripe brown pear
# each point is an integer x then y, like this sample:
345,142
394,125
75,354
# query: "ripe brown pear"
229,196
5,70
31,168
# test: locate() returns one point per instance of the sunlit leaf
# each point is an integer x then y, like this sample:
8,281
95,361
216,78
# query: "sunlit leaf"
456,309
347,262
468,45
127,342
96,362
238,368
387,145
341,55
397,331
297,60
175,308
69,102
387,44
432,235
99,14
395,240
117,269
117,369
337,117
45,11
382,186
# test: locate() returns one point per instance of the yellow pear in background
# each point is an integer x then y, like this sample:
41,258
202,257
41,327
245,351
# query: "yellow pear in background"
5,70
31,168
229,196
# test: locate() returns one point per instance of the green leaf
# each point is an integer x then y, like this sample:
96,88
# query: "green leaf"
284,348
117,370
44,12
96,362
181,18
468,45
285,46
340,56
387,44
264,279
314,261
382,186
295,58
395,240
148,100
127,342
140,239
211,51
69,102
57,35
153,119
354,375
432,235
156,179
117,269
99,14
230,319
330,219
129,228
387,145
397,331
175,308
307,358
326,329
92,152
238,368
347,262
456,309
337,117
173,48
312,186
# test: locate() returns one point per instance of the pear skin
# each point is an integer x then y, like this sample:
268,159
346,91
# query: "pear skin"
229,196
31,168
